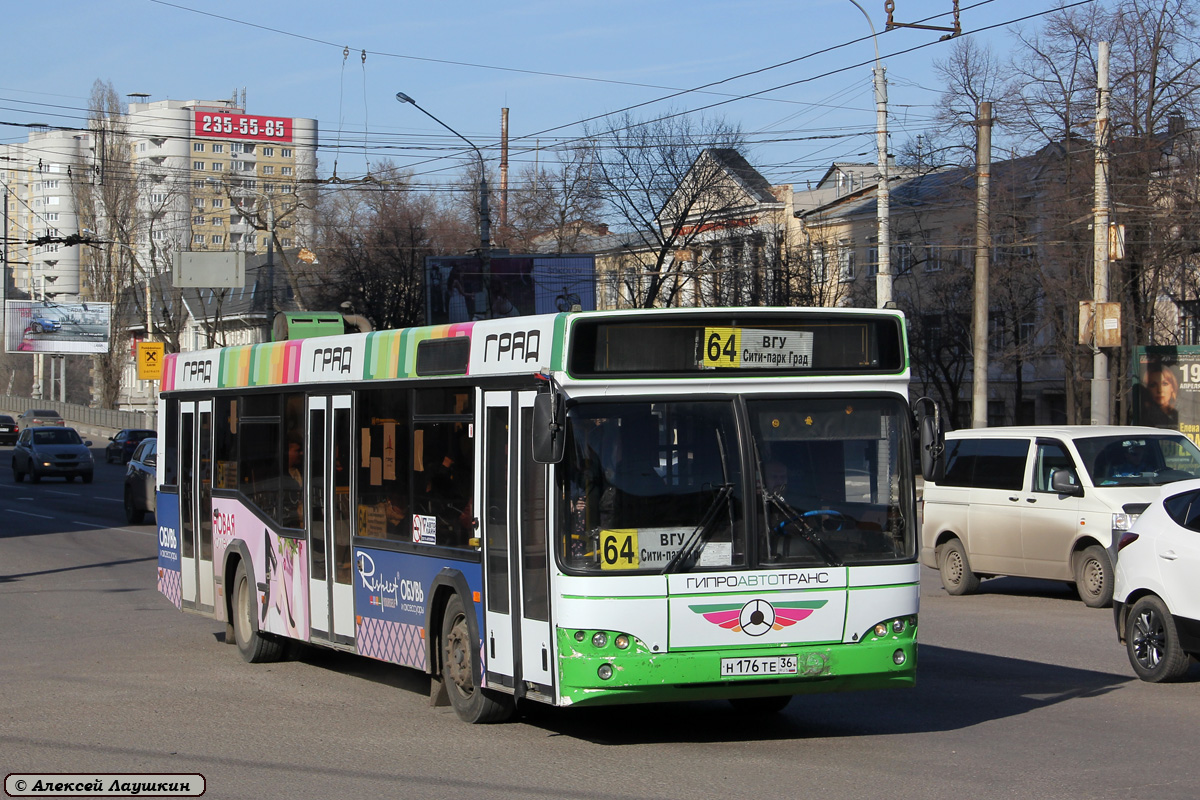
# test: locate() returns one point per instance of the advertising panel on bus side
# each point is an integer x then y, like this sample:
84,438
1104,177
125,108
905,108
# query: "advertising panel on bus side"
391,596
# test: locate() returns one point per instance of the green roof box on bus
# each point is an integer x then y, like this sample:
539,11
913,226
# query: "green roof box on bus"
313,324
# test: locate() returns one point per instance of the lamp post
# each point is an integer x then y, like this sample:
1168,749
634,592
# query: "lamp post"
883,278
485,247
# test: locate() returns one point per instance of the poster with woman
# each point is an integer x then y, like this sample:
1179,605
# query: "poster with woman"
1167,389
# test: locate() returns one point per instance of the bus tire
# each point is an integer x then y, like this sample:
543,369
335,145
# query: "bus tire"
957,575
255,647
461,670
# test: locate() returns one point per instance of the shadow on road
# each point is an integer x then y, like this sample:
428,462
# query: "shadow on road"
955,689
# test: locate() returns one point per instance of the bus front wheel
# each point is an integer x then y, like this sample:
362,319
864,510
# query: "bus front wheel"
461,671
255,647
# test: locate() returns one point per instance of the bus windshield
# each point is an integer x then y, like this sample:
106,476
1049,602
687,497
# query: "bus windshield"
829,478
658,486
645,480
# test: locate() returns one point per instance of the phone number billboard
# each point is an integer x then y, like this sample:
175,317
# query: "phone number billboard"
40,326
243,126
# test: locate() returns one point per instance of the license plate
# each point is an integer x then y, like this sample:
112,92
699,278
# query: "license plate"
762,665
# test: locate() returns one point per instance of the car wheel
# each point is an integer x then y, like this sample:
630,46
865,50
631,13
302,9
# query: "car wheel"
87,477
107,456
1094,577
132,515
18,476
34,477
1152,642
957,576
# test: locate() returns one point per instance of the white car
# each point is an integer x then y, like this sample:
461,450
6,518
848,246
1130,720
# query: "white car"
1156,599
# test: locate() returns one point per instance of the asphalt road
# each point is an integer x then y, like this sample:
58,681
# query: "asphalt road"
1023,692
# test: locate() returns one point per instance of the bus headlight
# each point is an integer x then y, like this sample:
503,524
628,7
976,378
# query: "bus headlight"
622,641
898,658
898,626
600,639
881,629
605,671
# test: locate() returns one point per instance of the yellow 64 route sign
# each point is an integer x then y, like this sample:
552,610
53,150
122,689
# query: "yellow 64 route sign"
619,549
757,349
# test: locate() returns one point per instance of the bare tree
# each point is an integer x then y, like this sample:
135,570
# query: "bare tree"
373,244
557,202
106,203
662,195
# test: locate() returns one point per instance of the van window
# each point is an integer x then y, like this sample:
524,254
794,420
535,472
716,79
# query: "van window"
986,463
1050,456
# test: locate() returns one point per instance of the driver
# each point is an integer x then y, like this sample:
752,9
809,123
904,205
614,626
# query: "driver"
1132,463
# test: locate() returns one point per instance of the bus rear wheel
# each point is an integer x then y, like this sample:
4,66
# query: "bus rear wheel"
255,647
461,671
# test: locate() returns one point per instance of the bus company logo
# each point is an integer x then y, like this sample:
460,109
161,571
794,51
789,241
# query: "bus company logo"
196,372
758,616
521,346
333,359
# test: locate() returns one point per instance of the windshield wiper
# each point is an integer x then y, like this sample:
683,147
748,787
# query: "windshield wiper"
796,518
700,535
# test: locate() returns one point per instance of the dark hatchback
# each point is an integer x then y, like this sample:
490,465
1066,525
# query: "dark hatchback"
121,446
141,482
8,429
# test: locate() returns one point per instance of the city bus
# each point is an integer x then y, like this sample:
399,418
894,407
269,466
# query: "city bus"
574,509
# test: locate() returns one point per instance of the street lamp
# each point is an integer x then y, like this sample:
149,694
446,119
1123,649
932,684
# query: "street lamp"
883,278
485,247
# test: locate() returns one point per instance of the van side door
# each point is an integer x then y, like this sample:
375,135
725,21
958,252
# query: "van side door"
996,504
1049,520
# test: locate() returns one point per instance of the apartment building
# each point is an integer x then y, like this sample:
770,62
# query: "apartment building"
202,173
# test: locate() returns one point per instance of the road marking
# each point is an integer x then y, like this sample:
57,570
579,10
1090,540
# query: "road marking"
31,514
65,494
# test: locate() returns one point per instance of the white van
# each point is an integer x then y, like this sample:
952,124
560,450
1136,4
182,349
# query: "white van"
1045,502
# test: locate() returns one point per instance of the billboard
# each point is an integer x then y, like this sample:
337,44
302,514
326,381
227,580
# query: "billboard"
43,326
462,289
1166,389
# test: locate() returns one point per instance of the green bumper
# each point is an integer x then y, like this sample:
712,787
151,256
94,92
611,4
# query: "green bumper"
639,676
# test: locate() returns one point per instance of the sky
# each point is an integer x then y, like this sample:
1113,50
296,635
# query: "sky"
804,98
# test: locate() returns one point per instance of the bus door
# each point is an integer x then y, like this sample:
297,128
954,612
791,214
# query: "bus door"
517,631
195,504
327,518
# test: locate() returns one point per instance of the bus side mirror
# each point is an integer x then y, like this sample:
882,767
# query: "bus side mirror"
549,430
932,439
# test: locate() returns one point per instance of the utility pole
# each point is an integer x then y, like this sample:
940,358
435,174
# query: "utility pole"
1101,409
983,236
503,169
883,280
883,275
